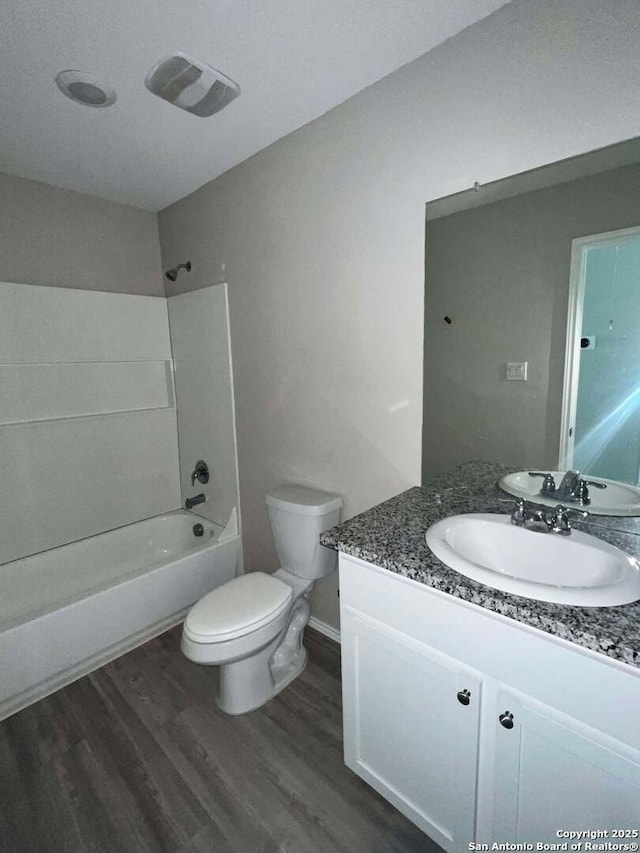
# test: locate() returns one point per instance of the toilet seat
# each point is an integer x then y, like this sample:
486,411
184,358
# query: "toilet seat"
238,607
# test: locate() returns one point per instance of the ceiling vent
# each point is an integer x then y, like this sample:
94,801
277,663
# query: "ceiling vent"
85,89
191,85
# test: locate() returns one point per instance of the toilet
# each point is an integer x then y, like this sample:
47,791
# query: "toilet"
252,627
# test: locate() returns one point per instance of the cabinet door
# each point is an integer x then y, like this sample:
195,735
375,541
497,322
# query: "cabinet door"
554,773
406,731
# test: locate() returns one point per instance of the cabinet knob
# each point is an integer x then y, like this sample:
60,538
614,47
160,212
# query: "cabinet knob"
506,720
464,697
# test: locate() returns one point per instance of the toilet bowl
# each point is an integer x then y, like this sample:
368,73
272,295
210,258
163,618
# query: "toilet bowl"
252,627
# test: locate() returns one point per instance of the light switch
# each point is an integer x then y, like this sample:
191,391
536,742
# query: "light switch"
517,371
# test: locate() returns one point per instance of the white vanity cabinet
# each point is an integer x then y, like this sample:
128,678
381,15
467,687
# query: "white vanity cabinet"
478,728
405,732
552,772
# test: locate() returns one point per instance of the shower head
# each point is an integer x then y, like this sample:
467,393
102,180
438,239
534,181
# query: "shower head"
172,274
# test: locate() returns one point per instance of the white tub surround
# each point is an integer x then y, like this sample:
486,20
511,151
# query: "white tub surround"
95,555
203,373
69,610
85,380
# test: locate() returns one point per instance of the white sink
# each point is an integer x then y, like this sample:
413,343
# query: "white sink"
576,569
617,499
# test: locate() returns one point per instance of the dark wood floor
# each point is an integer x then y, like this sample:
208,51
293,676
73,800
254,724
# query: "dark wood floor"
136,757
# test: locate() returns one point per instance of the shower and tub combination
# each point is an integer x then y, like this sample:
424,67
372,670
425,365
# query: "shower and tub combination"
110,406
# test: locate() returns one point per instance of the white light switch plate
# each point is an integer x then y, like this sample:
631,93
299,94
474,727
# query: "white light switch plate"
517,371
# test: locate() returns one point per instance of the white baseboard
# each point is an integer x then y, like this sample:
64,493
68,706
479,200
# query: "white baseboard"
323,628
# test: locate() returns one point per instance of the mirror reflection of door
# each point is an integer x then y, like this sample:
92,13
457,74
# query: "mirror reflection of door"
601,432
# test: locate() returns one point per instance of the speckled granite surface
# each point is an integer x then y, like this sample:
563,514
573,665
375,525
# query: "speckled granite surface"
391,535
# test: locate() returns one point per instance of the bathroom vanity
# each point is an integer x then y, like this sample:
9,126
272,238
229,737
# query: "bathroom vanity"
482,716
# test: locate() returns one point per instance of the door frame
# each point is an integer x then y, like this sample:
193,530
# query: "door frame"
577,278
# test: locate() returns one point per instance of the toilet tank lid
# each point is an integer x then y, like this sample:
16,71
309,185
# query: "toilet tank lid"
301,500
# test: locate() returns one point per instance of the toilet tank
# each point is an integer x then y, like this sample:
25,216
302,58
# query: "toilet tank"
298,515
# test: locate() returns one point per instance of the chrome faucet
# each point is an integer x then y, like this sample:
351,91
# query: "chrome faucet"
540,520
572,488
568,488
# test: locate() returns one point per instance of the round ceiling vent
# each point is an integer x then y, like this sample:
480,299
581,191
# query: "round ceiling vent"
85,89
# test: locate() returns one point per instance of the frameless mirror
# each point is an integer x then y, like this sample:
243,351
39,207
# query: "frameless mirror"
532,320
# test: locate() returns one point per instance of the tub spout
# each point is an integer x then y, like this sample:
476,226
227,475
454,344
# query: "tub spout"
191,502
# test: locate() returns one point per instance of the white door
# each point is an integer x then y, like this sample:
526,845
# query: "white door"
411,727
553,773
601,407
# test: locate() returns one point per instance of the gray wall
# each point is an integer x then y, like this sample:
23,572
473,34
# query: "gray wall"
322,238
501,272
58,237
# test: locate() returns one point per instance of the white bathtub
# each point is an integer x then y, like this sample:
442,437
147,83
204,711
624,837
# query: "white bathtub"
67,611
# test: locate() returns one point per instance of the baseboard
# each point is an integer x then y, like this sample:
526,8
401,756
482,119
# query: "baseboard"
323,628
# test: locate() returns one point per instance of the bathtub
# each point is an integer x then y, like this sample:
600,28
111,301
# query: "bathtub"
67,611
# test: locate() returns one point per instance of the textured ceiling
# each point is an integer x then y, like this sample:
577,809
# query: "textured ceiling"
293,61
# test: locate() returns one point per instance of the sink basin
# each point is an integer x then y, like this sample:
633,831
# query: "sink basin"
617,499
577,569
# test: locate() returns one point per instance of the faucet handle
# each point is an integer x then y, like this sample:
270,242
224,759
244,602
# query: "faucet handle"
200,472
595,484
560,519
573,511
548,482
520,510
582,493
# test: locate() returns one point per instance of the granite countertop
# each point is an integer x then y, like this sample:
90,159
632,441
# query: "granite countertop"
391,535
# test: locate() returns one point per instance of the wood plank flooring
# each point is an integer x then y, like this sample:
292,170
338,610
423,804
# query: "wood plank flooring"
136,758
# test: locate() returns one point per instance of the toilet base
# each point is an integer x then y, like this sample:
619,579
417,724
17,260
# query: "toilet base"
247,685
293,670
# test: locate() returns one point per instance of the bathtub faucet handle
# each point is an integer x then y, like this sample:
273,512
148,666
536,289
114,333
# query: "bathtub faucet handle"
200,472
